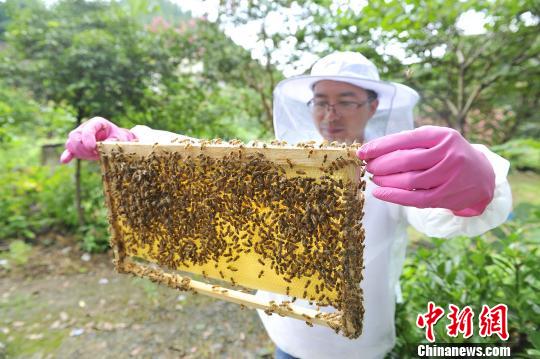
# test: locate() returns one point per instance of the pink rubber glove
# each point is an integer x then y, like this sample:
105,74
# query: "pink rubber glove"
81,141
430,167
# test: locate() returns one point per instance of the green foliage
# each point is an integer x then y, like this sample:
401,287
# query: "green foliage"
209,71
455,72
97,63
187,107
36,198
169,76
60,67
20,114
97,58
17,111
498,267
4,18
18,252
523,153
145,11
95,233
40,198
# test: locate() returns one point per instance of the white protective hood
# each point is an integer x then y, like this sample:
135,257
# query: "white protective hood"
293,119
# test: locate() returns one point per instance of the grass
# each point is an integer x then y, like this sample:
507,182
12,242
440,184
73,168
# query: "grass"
525,187
28,309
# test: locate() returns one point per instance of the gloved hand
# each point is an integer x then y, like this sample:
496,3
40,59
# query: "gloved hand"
430,167
81,141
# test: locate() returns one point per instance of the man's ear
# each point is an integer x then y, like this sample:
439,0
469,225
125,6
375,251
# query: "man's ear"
373,107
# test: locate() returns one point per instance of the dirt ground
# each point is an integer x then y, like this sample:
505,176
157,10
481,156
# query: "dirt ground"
66,304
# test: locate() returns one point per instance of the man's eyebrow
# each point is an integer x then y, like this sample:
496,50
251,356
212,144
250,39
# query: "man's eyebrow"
342,94
348,93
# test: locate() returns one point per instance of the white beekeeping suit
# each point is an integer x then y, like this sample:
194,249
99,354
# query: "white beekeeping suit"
385,223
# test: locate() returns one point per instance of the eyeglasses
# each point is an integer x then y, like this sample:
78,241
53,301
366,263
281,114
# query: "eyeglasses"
343,107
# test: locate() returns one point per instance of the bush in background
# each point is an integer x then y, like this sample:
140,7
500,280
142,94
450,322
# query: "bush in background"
523,153
500,266
38,199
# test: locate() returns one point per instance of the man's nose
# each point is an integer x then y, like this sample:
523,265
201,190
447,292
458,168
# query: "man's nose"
331,114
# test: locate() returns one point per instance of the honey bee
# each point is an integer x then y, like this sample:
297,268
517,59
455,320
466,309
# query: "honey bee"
215,193
290,163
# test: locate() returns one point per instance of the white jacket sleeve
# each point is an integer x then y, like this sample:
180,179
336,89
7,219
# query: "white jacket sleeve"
147,135
441,222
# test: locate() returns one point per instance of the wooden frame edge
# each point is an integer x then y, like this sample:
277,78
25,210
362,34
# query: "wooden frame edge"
186,283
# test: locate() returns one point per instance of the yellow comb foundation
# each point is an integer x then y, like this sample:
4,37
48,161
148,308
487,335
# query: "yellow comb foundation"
280,218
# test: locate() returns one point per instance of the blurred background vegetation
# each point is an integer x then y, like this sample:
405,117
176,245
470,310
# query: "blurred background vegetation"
150,62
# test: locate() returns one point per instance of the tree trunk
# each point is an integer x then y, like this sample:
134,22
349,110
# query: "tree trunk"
78,197
462,125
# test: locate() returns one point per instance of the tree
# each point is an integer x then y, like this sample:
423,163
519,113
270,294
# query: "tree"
97,63
454,72
226,62
3,20
100,59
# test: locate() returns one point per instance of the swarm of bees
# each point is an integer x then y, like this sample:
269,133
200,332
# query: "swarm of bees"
184,206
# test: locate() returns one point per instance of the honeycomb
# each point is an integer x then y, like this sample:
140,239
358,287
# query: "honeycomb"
275,217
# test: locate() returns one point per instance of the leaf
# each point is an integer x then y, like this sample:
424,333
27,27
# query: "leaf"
534,338
478,259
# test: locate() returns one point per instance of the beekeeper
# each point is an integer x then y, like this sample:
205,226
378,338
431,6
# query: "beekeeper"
429,177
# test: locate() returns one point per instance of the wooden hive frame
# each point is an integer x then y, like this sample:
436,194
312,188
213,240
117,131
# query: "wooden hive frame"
303,238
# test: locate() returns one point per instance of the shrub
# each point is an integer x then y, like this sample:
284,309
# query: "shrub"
523,153
500,266
39,198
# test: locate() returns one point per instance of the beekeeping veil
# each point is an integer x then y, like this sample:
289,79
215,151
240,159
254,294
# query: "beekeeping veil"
293,120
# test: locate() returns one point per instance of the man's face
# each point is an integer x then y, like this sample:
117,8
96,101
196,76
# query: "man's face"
346,121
